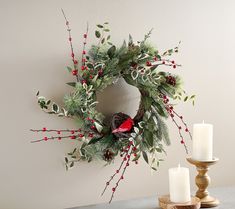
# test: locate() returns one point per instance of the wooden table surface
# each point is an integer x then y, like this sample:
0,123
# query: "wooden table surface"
226,195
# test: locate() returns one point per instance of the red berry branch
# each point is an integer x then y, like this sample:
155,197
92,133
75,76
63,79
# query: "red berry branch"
75,62
166,62
83,67
170,110
127,152
114,189
74,134
185,125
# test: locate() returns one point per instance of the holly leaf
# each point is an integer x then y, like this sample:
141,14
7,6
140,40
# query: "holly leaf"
111,51
100,26
93,141
55,108
73,84
98,127
145,156
97,34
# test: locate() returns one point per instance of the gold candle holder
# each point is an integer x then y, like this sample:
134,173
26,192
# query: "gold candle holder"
202,181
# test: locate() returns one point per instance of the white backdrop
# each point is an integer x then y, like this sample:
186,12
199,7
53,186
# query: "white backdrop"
34,53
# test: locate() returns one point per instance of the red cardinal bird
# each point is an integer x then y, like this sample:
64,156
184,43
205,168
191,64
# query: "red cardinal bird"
125,126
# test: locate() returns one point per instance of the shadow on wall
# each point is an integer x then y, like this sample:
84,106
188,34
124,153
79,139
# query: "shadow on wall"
119,97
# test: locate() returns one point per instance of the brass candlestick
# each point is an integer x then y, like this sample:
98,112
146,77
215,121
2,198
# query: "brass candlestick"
202,181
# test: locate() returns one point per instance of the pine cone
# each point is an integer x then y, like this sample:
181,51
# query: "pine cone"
108,155
171,80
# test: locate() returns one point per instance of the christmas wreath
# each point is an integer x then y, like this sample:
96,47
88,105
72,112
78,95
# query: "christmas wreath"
130,138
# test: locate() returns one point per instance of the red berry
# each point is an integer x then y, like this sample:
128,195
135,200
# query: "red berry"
72,55
79,130
83,60
128,156
74,72
117,171
72,137
90,134
148,63
186,130
174,66
181,117
91,76
163,62
134,148
59,138
75,62
83,52
122,177
124,158
173,62
58,132
182,141
45,138
93,127
72,132
92,121
85,35
81,135
82,67
155,59
135,154
83,81
113,189
44,129
127,164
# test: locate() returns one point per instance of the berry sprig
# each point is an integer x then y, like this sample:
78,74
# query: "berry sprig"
126,154
75,62
157,62
185,124
170,110
74,134
83,67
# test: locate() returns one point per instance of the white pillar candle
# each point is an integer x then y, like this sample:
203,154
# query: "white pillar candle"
202,142
179,185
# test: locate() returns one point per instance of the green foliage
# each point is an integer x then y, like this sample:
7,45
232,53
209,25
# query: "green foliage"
105,64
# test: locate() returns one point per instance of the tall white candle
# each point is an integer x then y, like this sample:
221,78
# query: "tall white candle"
179,184
202,142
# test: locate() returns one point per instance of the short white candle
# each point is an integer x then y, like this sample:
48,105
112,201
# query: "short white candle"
202,142
179,185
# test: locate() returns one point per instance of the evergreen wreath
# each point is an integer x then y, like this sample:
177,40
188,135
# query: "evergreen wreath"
130,138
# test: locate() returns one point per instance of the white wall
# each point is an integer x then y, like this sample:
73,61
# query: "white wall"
33,55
